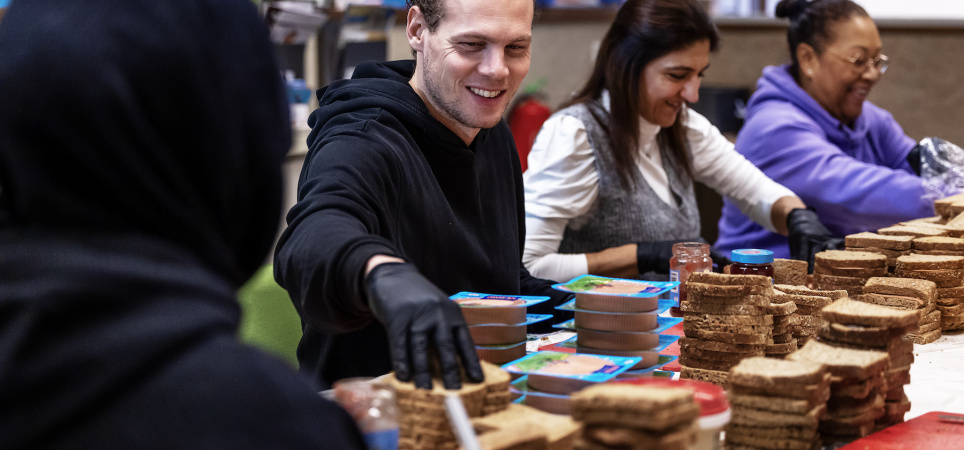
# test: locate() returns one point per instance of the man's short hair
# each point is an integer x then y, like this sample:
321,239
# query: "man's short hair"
432,11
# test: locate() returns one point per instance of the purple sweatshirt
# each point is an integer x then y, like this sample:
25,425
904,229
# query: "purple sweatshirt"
857,179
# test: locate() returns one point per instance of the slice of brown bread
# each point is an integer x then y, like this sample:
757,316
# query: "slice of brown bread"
805,310
811,301
777,432
892,301
927,338
944,206
514,437
938,243
771,372
789,271
842,362
908,287
726,290
782,349
723,336
937,253
851,312
957,291
866,337
720,346
773,403
710,364
560,430
729,280
820,279
805,291
943,278
705,308
758,300
843,258
930,262
952,323
717,377
851,272
783,338
784,308
891,255
608,437
910,230
741,438
931,317
753,417
694,352
634,406
815,394
868,239
727,319
928,327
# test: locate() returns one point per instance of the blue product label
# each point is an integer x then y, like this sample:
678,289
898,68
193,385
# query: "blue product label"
674,293
382,440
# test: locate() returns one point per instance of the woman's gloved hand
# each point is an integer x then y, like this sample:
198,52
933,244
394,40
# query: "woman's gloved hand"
808,236
423,324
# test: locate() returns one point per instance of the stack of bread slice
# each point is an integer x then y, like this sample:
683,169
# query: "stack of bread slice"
776,403
784,343
889,246
789,271
857,389
806,321
915,230
937,245
860,325
724,320
846,270
524,427
620,415
908,294
422,422
948,273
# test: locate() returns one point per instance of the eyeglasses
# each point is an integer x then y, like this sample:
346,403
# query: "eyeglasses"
862,62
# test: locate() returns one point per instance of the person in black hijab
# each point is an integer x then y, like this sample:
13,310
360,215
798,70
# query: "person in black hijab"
141,145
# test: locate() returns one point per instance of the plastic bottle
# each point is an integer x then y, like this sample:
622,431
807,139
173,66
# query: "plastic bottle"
752,261
688,257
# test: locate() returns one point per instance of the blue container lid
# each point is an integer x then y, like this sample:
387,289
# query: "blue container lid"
751,256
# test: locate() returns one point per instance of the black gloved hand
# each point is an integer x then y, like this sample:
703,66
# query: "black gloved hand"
808,236
422,323
653,256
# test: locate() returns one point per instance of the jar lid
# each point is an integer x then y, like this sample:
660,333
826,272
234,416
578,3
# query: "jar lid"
751,256
711,398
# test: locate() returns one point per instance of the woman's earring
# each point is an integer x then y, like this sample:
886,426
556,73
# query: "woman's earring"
809,71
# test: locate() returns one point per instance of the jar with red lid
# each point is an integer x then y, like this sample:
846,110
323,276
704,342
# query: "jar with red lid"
752,261
688,257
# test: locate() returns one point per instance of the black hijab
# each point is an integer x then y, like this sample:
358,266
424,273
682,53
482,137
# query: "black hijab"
162,118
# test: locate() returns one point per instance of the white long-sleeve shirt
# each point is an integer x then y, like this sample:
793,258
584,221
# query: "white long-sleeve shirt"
561,184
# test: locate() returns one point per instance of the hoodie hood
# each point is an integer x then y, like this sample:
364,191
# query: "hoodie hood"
777,85
378,91
129,124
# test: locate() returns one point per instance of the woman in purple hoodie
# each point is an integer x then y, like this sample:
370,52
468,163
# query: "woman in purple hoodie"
810,128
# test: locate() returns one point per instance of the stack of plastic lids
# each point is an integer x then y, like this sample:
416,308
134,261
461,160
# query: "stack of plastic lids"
546,379
498,323
620,317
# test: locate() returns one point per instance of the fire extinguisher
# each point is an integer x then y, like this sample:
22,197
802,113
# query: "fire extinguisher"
526,118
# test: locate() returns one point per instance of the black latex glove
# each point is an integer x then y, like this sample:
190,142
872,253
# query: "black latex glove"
423,324
913,158
808,236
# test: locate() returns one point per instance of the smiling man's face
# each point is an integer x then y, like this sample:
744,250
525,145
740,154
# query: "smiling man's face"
471,66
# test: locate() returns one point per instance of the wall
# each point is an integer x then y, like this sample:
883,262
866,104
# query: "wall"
922,88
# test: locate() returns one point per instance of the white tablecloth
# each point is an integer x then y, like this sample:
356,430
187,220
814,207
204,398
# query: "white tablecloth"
937,376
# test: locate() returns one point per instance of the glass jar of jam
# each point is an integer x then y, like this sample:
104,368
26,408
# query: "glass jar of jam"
688,257
752,261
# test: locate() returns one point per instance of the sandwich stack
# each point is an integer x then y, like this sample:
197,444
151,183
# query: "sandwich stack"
777,403
782,310
909,294
789,271
725,319
618,415
859,325
889,246
847,270
422,422
948,273
806,321
857,389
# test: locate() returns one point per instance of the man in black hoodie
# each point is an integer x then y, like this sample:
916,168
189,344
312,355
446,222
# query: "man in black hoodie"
141,145
411,192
